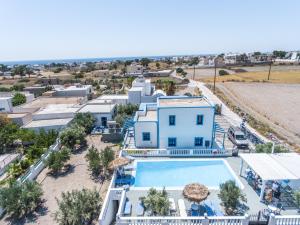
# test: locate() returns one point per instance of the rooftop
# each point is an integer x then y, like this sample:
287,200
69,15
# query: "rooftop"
59,108
16,115
182,101
71,88
101,108
104,97
44,101
48,123
151,115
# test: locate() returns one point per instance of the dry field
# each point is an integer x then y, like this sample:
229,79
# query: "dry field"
276,104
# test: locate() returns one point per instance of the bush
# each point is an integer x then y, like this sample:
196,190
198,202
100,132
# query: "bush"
18,99
94,160
72,135
157,202
78,207
230,195
21,199
85,120
223,72
106,156
267,148
56,160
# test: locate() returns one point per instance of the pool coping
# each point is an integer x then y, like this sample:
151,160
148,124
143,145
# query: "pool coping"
239,183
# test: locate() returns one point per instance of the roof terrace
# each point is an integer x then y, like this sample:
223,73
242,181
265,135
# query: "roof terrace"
182,101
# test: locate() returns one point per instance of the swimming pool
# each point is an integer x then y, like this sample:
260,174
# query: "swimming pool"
175,174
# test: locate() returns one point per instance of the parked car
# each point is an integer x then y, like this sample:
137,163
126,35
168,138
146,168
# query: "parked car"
237,137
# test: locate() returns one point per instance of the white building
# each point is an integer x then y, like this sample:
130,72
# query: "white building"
103,112
142,91
160,125
6,100
134,69
78,90
117,99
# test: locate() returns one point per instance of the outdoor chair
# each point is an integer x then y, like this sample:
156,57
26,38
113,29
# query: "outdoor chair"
127,208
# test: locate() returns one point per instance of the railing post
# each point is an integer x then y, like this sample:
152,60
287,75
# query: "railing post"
246,220
205,220
272,219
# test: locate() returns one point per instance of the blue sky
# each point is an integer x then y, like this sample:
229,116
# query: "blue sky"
55,29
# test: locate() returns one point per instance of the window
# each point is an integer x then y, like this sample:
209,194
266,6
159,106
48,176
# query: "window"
198,141
172,120
172,142
146,136
199,119
207,143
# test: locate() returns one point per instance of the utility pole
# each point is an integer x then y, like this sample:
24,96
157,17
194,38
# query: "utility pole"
270,70
215,77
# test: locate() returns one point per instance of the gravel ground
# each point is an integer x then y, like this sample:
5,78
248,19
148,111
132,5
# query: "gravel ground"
77,178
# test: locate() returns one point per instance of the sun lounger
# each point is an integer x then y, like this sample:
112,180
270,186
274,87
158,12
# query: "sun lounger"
172,205
140,209
182,209
127,208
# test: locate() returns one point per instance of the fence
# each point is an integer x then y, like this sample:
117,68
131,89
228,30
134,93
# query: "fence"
174,152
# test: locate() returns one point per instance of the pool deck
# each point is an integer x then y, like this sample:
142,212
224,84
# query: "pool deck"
251,207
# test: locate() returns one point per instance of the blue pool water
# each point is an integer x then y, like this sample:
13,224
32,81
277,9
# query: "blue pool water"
175,173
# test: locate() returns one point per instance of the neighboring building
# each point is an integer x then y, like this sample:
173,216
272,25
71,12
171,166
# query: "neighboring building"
160,73
134,69
6,100
20,118
78,90
290,58
36,90
160,125
48,124
56,111
117,99
103,112
142,91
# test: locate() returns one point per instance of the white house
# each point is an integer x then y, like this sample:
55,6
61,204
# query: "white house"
6,100
134,69
117,99
160,125
78,90
142,91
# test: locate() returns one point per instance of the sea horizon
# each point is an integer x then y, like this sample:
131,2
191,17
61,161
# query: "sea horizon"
83,60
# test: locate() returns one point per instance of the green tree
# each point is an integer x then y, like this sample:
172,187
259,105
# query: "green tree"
267,148
21,199
106,156
145,61
56,160
18,99
231,195
296,197
223,72
94,159
72,135
157,202
78,207
157,64
179,70
85,120
8,134
279,54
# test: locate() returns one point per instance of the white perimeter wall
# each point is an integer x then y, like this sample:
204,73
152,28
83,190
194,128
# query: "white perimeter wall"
6,105
185,129
141,127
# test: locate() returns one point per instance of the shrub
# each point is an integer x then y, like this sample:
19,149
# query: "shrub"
56,160
267,148
230,195
21,199
157,202
223,72
72,135
106,156
18,99
296,197
85,120
78,207
94,160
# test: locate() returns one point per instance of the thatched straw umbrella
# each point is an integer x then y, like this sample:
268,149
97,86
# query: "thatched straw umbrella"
118,162
195,192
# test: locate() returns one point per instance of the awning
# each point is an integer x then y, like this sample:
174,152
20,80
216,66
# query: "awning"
283,166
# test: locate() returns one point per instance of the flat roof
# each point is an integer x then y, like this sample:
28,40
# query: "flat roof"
151,115
136,89
16,115
101,108
284,166
182,101
58,108
113,97
71,88
48,123
43,101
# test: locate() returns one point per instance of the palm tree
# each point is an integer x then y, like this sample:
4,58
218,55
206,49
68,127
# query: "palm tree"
230,195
